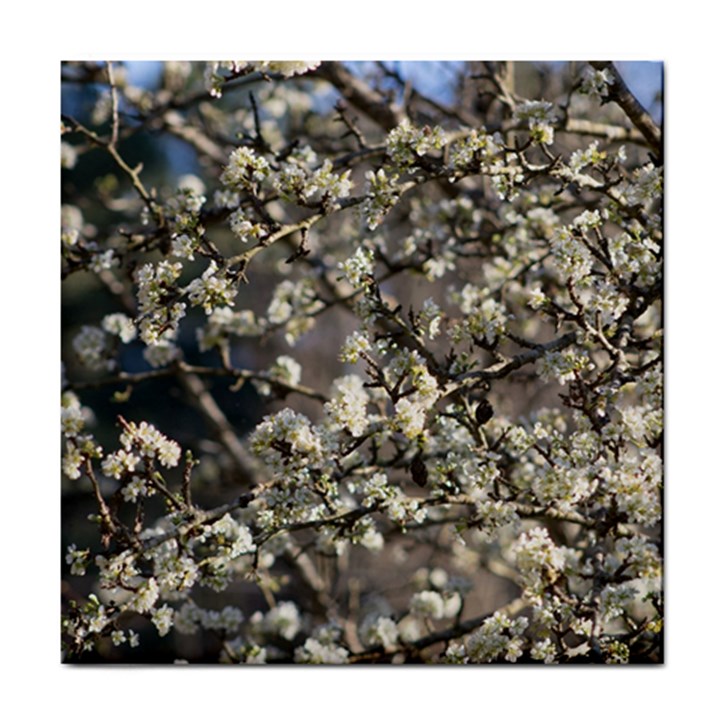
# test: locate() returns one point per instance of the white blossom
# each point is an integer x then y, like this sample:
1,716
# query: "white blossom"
121,325
348,406
91,347
595,82
316,653
162,619
212,289
359,268
244,169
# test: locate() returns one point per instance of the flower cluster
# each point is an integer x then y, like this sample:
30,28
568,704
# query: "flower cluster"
354,347
411,410
591,157
213,289
564,366
299,184
434,605
293,306
318,652
183,209
497,637
484,320
92,348
636,484
538,559
160,311
348,407
121,325
150,443
539,116
245,169
406,143
382,193
245,228
379,630
79,446
77,559
283,620
595,83
473,148
287,441
358,270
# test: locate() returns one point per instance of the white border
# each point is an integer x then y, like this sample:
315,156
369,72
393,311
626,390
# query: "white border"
39,38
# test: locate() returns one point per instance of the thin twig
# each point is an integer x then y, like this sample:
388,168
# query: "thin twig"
361,95
246,464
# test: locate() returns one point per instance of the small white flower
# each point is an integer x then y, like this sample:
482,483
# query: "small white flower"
162,619
121,325
428,603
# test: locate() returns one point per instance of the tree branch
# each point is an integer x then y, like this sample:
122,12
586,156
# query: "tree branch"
501,369
619,92
250,469
361,95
